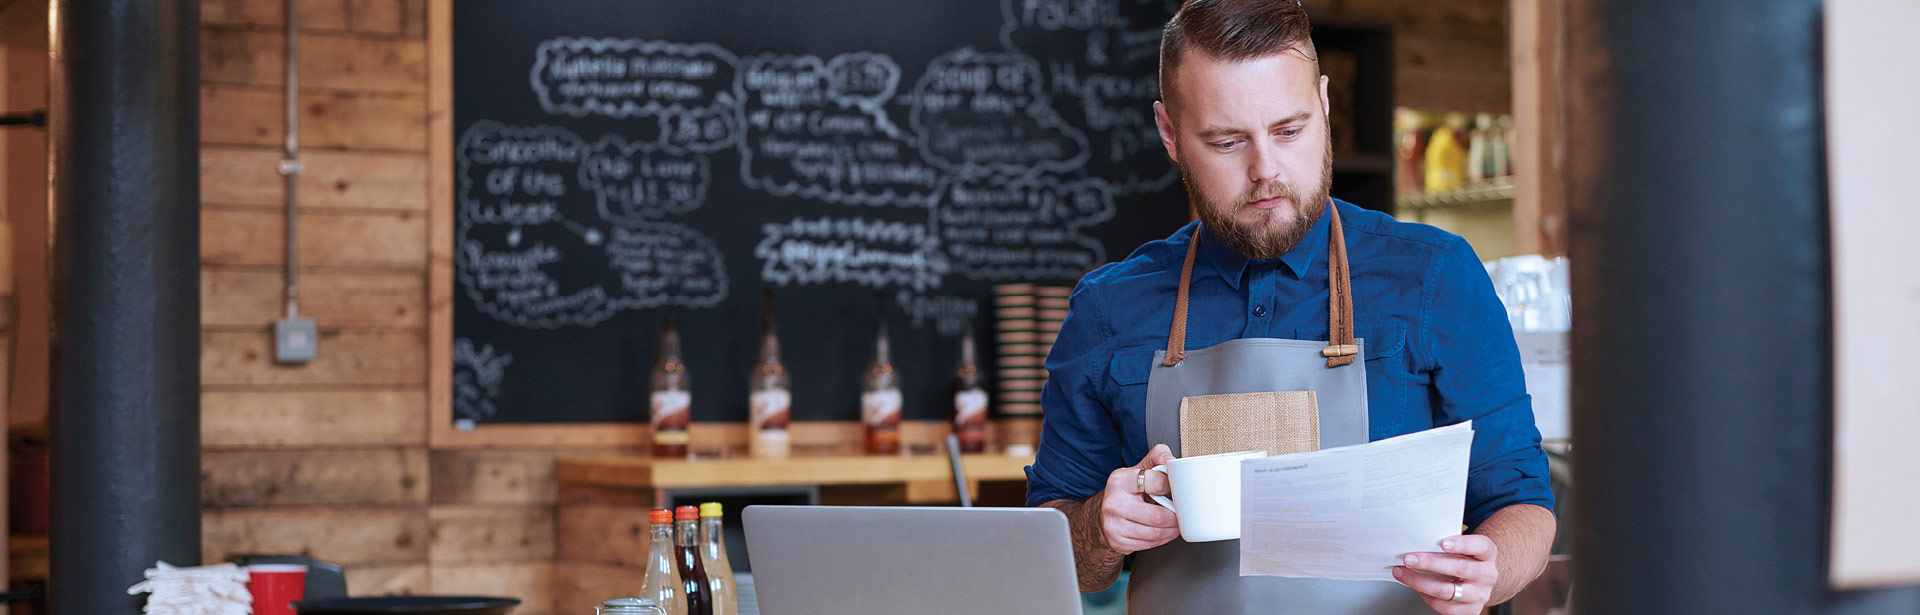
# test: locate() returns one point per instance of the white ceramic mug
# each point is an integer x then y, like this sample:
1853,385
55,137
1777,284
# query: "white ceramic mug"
1206,490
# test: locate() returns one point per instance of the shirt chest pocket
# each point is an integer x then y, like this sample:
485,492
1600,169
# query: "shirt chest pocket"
1131,366
1126,395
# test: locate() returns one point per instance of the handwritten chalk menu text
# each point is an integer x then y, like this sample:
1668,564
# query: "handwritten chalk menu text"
617,160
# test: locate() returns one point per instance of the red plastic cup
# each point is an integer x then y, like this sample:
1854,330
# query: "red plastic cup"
276,587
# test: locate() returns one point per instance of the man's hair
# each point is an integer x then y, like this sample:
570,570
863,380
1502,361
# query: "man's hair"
1233,30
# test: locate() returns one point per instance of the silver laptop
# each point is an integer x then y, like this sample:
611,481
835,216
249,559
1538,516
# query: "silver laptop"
887,560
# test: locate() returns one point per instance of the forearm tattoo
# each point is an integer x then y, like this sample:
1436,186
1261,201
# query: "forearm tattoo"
1095,563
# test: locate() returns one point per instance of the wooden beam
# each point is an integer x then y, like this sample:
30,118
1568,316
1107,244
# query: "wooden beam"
251,115
315,15
23,27
329,180
531,582
490,534
649,473
379,358
388,579
327,61
615,535
1453,70
8,201
937,491
320,477
1425,16
346,536
280,417
381,17
254,298
444,435
440,428
494,477
1454,88
393,17
391,240
1539,206
28,557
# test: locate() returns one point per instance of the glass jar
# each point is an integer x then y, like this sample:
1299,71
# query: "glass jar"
629,606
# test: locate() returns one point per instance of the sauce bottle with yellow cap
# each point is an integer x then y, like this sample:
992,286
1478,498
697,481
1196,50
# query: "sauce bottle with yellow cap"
713,553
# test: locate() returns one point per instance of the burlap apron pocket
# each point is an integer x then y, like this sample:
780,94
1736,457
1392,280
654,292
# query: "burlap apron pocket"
1278,422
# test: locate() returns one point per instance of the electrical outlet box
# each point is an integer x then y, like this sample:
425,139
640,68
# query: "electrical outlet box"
295,340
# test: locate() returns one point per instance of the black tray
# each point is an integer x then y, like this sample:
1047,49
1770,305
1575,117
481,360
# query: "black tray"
408,605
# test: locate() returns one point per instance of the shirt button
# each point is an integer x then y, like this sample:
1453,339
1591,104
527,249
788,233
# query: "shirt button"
1260,311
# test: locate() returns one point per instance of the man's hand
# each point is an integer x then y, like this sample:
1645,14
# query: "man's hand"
1117,520
1469,560
1128,520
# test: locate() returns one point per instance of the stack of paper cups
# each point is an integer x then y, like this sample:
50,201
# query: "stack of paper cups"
1022,370
1028,318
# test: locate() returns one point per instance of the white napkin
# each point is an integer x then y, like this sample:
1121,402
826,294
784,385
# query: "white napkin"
219,589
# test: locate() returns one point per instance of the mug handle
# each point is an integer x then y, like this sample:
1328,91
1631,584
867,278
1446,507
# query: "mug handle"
1161,499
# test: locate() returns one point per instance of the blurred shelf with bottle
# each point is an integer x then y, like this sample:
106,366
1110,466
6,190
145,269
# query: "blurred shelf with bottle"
1455,171
1492,192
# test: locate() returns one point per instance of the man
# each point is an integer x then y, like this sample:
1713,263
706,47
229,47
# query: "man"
1244,116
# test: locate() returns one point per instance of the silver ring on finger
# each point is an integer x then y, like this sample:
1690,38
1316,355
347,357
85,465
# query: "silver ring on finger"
1457,591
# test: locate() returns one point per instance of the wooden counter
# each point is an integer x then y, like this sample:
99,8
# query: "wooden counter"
600,535
649,473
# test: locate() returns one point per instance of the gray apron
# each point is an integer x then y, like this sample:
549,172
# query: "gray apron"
1182,577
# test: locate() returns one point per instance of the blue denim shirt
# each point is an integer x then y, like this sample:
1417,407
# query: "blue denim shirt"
1438,349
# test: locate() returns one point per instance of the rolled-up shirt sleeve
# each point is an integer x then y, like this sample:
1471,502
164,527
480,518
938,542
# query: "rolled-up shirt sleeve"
1079,442
1475,366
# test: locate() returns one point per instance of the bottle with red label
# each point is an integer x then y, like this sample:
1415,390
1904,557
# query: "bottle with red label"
771,400
672,400
969,400
880,400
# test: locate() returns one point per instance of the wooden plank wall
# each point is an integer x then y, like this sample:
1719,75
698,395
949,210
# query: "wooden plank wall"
23,195
328,459
1449,55
332,458
1539,137
27,309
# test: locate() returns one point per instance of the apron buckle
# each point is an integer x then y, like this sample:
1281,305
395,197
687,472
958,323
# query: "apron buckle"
1340,350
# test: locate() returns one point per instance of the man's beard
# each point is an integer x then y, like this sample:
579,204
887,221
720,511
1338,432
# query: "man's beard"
1258,240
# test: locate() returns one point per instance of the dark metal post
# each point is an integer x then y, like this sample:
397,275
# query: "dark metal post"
126,422
1702,346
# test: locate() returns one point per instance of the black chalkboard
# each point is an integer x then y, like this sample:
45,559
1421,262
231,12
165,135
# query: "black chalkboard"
862,160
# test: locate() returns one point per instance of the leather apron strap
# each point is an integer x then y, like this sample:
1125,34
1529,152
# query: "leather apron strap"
1340,348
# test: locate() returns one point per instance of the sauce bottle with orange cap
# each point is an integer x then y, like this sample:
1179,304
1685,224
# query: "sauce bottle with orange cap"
663,584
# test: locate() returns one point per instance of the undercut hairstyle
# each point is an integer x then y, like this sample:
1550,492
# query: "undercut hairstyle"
1235,31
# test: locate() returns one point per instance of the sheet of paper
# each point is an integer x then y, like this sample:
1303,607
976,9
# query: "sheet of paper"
1352,513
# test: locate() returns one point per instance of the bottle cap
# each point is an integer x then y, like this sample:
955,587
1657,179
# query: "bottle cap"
710,509
686,513
660,515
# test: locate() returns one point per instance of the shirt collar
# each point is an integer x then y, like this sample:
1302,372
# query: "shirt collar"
1232,265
